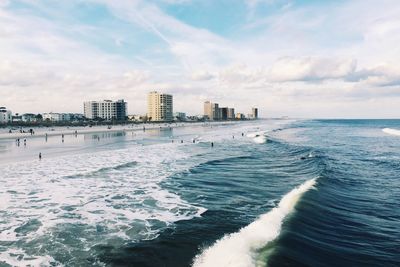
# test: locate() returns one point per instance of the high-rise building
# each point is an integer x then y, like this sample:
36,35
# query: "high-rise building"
231,113
208,114
240,116
159,107
254,113
5,115
224,113
106,109
212,111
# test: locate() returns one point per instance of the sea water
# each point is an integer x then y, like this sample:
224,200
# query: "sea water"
316,193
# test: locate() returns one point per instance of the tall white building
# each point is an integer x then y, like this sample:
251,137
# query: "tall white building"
212,111
106,109
5,115
159,107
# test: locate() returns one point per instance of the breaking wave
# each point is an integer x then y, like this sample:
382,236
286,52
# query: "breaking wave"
240,249
391,131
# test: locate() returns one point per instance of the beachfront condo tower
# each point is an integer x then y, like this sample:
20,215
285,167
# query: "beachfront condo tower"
106,110
254,113
212,111
159,107
231,113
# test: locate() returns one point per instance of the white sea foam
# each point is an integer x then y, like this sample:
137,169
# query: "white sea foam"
255,134
117,190
261,139
391,131
240,249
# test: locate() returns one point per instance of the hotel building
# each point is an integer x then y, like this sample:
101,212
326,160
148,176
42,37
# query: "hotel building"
5,115
224,113
231,113
159,107
106,109
254,113
212,111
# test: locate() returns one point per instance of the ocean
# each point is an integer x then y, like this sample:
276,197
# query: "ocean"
316,193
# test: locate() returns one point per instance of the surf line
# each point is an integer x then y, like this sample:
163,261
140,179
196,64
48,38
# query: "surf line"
391,131
240,249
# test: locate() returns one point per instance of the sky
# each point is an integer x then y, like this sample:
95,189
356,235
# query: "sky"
297,58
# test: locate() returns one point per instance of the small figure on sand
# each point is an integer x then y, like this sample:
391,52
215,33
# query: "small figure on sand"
25,142
212,144
40,155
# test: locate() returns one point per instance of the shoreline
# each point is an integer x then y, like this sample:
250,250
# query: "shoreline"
79,130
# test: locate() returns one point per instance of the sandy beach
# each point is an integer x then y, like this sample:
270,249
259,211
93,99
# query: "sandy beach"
58,131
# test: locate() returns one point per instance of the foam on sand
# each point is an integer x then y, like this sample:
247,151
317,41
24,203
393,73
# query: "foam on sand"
391,131
240,249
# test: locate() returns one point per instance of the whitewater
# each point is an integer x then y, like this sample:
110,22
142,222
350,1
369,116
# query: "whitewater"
240,249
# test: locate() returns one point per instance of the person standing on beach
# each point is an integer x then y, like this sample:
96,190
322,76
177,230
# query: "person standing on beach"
40,156
25,142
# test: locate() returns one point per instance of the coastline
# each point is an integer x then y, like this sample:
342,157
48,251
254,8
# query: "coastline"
78,130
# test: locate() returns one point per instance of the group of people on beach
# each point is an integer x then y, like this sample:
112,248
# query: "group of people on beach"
17,141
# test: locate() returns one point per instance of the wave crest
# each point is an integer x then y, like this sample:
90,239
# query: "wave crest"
391,131
240,249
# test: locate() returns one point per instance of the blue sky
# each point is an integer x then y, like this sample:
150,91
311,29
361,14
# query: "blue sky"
304,58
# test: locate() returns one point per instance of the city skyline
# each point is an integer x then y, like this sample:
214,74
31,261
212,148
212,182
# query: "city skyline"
326,59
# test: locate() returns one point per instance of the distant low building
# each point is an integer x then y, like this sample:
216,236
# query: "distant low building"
106,110
16,118
56,117
76,116
29,117
240,116
5,115
180,116
196,118
137,118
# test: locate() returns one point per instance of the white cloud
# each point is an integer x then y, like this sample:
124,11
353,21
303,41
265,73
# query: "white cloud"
303,55
311,69
201,75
